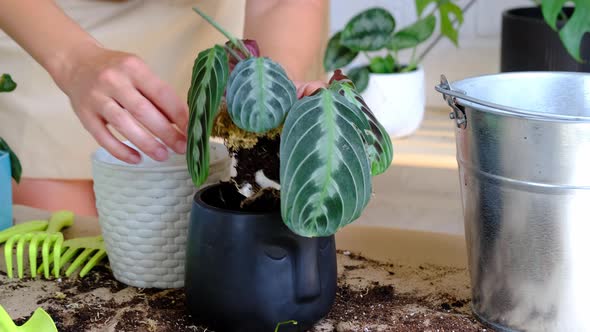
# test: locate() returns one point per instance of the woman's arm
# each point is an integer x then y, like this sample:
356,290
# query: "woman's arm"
105,87
288,31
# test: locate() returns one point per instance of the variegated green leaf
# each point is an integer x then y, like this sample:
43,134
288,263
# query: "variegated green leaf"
360,77
379,147
259,95
210,72
325,173
370,30
337,56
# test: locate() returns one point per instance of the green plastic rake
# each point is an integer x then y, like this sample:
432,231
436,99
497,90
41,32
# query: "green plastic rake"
83,247
55,252
50,241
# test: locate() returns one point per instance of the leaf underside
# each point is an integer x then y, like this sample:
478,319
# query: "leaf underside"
210,72
325,172
259,95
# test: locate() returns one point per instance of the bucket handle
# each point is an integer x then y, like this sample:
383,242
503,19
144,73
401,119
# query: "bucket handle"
451,95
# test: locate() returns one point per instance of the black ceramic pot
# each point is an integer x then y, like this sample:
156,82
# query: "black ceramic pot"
248,271
529,44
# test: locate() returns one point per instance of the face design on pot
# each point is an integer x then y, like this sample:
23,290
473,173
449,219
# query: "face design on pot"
252,268
299,268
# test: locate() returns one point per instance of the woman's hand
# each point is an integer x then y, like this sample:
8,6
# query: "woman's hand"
308,88
116,89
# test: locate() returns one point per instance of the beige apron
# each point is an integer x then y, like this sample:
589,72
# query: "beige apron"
37,119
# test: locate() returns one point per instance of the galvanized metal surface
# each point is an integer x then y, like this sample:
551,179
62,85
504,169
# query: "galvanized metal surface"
524,169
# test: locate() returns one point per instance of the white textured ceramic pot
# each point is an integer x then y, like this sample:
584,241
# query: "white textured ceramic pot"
143,212
397,101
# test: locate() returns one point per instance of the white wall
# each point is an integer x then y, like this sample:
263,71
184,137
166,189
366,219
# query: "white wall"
479,43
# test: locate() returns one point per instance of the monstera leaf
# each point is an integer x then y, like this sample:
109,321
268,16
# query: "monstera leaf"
337,55
576,27
447,11
325,172
210,72
370,30
6,83
259,95
379,147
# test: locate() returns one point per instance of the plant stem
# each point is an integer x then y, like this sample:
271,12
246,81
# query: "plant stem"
413,57
238,43
367,56
232,52
440,36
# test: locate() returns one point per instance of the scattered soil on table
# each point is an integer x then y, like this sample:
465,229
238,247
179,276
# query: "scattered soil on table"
372,296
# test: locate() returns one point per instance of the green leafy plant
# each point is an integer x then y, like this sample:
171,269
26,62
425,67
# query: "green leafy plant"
375,30
575,26
8,85
330,143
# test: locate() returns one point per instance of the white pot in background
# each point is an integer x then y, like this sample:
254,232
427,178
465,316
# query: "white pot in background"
397,101
144,211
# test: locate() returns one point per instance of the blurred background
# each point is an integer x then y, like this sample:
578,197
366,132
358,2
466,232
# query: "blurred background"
479,37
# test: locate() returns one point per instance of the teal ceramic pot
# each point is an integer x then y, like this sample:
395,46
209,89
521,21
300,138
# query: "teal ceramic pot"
5,191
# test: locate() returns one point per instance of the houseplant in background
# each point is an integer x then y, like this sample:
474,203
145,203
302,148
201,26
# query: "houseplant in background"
546,37
394,88
9,166
261,247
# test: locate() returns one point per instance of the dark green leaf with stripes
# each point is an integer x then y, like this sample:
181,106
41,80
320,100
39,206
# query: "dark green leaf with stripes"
210,72
325,172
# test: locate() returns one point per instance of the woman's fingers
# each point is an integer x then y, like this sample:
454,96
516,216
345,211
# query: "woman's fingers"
160,94
308,88
151,118
98,129
125,124
121,91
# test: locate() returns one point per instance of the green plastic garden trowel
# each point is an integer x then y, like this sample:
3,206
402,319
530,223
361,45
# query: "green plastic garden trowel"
40,321
51,240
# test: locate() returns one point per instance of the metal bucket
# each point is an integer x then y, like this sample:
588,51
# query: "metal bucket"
523,149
